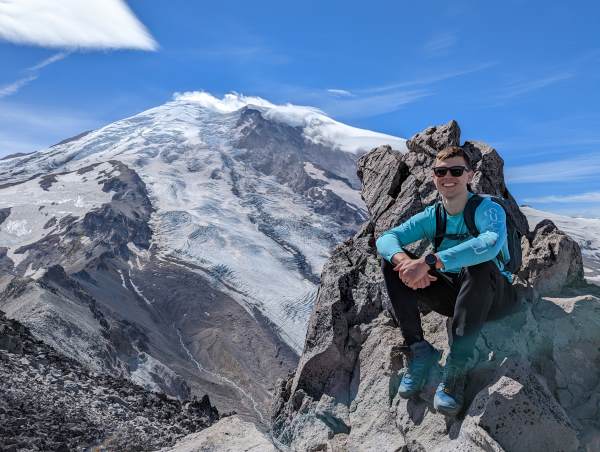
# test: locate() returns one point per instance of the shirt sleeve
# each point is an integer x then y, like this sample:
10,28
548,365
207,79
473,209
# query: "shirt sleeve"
413,229
490,220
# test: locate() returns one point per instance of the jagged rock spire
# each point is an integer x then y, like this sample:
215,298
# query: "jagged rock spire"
343,394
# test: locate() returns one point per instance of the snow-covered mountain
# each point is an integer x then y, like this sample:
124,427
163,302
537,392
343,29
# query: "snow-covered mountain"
216,200
158,228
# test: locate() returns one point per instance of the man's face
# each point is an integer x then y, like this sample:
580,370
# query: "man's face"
448,185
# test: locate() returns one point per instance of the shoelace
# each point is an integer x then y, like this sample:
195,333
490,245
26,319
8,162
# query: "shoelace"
416,365
453,374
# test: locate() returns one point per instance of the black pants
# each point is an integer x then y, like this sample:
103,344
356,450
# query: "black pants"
476,294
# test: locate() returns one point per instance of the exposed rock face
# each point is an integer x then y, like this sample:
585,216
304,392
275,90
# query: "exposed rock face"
520,395
281,150
51,402
552,259
230,434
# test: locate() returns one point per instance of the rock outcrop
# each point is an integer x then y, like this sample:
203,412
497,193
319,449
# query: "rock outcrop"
535,381
231,434
51,402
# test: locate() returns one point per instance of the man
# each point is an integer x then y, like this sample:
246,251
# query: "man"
464,279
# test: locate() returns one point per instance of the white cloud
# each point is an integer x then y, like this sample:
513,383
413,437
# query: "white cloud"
340,92
230,102
316,125
89,24
592,196
556,171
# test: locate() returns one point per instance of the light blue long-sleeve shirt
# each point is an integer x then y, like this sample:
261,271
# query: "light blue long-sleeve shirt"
490,220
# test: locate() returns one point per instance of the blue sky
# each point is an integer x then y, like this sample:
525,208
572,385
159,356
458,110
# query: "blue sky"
520,75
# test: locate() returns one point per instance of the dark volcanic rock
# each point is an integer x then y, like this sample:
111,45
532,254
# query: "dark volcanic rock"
109,228
50,402
282,151
4,213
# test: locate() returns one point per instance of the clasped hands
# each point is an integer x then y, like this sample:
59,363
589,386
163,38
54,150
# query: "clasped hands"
414,272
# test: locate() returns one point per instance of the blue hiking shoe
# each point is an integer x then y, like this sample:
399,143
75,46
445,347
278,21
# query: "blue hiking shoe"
422,357
449,396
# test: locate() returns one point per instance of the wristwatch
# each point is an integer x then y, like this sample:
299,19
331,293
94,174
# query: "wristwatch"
431,260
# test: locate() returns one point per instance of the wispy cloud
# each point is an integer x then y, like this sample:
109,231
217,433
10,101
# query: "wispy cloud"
380,99
89,24
557,171
14,87
440,44
520,88
239,54
592,196
48,61
32,74
430,79
340,92
43,119
364,102
27,128
371,105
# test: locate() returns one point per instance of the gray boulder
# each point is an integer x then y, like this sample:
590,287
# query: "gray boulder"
552,259
534,382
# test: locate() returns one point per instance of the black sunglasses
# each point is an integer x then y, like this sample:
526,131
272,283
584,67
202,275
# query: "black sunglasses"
455,171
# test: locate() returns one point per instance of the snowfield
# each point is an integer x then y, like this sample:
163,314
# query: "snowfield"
38,206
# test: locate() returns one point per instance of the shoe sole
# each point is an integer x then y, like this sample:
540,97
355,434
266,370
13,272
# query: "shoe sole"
447,411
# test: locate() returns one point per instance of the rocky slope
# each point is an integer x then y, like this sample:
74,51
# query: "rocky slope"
51,402
80,273
535,384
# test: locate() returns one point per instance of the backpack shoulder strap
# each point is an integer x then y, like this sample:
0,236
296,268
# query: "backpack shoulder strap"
469,214
440,225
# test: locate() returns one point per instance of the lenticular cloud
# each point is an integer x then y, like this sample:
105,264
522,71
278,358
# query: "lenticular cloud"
89,24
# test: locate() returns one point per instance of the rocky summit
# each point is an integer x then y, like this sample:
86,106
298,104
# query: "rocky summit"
535,384
51,402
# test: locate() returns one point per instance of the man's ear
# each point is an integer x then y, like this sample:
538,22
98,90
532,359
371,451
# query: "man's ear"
470,175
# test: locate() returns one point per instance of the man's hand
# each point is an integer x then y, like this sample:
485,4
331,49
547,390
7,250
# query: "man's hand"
423,282
414,273
399,258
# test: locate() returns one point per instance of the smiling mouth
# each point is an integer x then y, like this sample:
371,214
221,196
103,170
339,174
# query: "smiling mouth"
448,185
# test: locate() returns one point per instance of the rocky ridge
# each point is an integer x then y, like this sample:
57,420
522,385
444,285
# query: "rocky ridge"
51,402
535,383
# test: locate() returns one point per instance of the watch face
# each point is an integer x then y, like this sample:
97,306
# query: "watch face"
430,259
